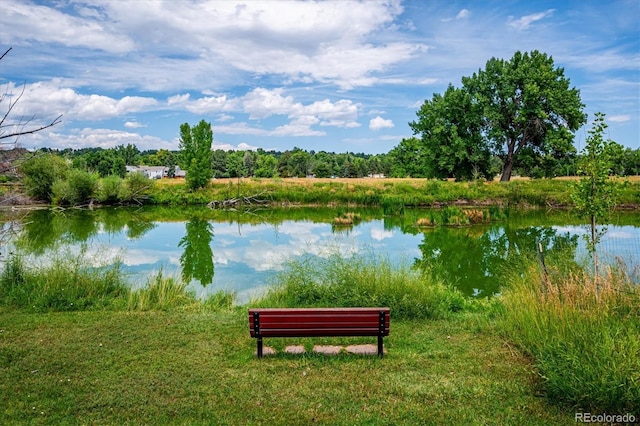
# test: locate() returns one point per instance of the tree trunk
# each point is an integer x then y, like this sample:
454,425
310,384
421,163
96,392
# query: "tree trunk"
508,168
513,147
596,277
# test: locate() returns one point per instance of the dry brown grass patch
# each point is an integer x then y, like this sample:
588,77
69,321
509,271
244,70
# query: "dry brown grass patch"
347,219
425,222
475,216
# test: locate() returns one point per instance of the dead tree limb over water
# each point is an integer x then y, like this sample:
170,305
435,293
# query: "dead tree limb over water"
231,203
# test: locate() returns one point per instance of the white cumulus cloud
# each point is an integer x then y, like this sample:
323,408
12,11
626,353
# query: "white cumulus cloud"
379,123
41,98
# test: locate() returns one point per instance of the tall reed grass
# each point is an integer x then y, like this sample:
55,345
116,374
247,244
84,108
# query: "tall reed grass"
361,280
584,336
166,293
161,293
68,283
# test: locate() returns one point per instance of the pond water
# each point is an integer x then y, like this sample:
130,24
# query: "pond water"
240,252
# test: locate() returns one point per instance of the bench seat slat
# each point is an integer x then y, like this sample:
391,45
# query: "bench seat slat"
320,327
315,332
306,322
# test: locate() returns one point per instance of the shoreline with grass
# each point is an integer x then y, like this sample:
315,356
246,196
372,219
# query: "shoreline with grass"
78,346
391,194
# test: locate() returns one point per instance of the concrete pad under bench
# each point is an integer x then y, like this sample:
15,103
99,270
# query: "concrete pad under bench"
363,349
366,349
327,349
266,350
295,349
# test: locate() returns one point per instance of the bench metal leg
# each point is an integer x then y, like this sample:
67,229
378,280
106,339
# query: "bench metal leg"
381,330
259,347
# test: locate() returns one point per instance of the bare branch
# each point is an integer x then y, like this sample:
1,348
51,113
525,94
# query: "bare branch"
5,53
31,131
22,124
11,104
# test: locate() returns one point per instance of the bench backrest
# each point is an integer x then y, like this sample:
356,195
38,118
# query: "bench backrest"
309,322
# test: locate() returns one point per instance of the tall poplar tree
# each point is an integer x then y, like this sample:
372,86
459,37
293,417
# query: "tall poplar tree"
195,153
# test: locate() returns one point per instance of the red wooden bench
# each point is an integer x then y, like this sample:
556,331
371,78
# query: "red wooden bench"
317,322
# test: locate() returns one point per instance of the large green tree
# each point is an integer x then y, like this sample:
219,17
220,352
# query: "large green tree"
195,153
512,109
526,102
298,162
130,154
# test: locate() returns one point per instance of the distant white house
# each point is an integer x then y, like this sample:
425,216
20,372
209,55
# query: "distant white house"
132,169
179,173
152,172
156,172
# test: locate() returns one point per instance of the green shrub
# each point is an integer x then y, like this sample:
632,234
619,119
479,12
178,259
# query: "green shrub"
40,172
135,188
109,189
61,192
78,188
83,184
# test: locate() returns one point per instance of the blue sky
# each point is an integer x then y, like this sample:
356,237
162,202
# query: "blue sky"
336,76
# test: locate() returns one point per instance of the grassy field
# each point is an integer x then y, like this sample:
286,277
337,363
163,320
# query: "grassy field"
157,355
199,368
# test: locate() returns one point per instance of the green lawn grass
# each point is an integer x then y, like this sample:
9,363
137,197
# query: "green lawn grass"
96,367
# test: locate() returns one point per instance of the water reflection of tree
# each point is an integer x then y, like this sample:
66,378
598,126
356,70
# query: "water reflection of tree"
47,228
475,260
116,220
197,258
82,226
39,232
